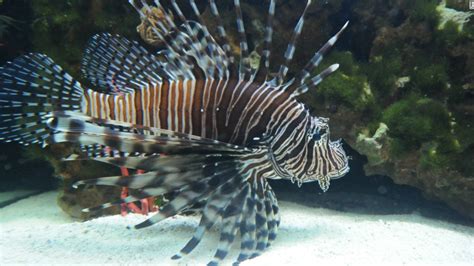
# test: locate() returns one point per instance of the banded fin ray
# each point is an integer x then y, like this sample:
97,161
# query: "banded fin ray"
196,191
157,183
116,64
210,57
192,39
264,65
166,163
290,50
244,66
210,216
31,87
239,209
300,86
70,129
189,40
221,32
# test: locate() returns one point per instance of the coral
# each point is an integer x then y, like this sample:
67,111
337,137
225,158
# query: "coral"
72,201
383,72
149,23
416,120
347,86
429,114
449,35
374,147
423,10
429,80
448,14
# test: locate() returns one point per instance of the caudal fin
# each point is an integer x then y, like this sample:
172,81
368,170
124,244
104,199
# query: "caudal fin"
31,88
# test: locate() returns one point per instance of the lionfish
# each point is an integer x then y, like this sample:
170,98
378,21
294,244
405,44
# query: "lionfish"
204,126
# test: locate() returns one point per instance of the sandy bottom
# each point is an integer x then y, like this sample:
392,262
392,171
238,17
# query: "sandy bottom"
35,231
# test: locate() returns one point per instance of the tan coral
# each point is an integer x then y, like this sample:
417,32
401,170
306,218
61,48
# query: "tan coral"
150,23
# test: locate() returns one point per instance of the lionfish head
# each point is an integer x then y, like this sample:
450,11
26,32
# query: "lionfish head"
325,159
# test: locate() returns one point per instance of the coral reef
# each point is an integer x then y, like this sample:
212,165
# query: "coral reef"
149,23
420,76
373,147
403,97
449,14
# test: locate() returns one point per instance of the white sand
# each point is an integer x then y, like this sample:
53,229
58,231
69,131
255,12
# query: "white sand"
8,197
35,231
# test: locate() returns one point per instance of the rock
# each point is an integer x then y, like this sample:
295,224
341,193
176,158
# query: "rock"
375,147
73,201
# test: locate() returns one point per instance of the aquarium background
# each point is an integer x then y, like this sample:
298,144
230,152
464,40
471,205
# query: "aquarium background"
402,100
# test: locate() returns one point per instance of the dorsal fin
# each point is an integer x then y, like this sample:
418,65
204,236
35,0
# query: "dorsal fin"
191,41
244,65
264,64
290,50
117,65
221,32
299,86
314,81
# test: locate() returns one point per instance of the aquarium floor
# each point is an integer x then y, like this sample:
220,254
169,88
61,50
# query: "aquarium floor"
36,231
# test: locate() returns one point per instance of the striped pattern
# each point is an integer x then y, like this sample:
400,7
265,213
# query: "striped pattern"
225,128
290,50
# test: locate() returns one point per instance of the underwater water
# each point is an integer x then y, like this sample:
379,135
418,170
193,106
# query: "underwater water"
401,100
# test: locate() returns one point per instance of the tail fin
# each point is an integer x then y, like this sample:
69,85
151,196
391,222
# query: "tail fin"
31,88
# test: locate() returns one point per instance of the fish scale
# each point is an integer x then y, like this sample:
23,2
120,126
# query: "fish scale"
225,125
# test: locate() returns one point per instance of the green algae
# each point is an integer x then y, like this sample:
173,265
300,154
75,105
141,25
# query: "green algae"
348,86
383,71
429,80
413,121
423,11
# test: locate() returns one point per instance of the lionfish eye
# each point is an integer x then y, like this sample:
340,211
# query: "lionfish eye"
316,136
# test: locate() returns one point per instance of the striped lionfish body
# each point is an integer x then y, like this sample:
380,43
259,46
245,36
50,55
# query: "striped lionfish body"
202,125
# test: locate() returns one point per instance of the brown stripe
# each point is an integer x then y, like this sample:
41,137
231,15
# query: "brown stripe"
267,114
163,105
211,109
180,91
171,108
197,106
223,131
119,100
138,107
111,104
187,107
128,101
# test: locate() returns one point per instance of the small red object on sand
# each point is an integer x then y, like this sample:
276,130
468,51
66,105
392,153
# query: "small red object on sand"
147,205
